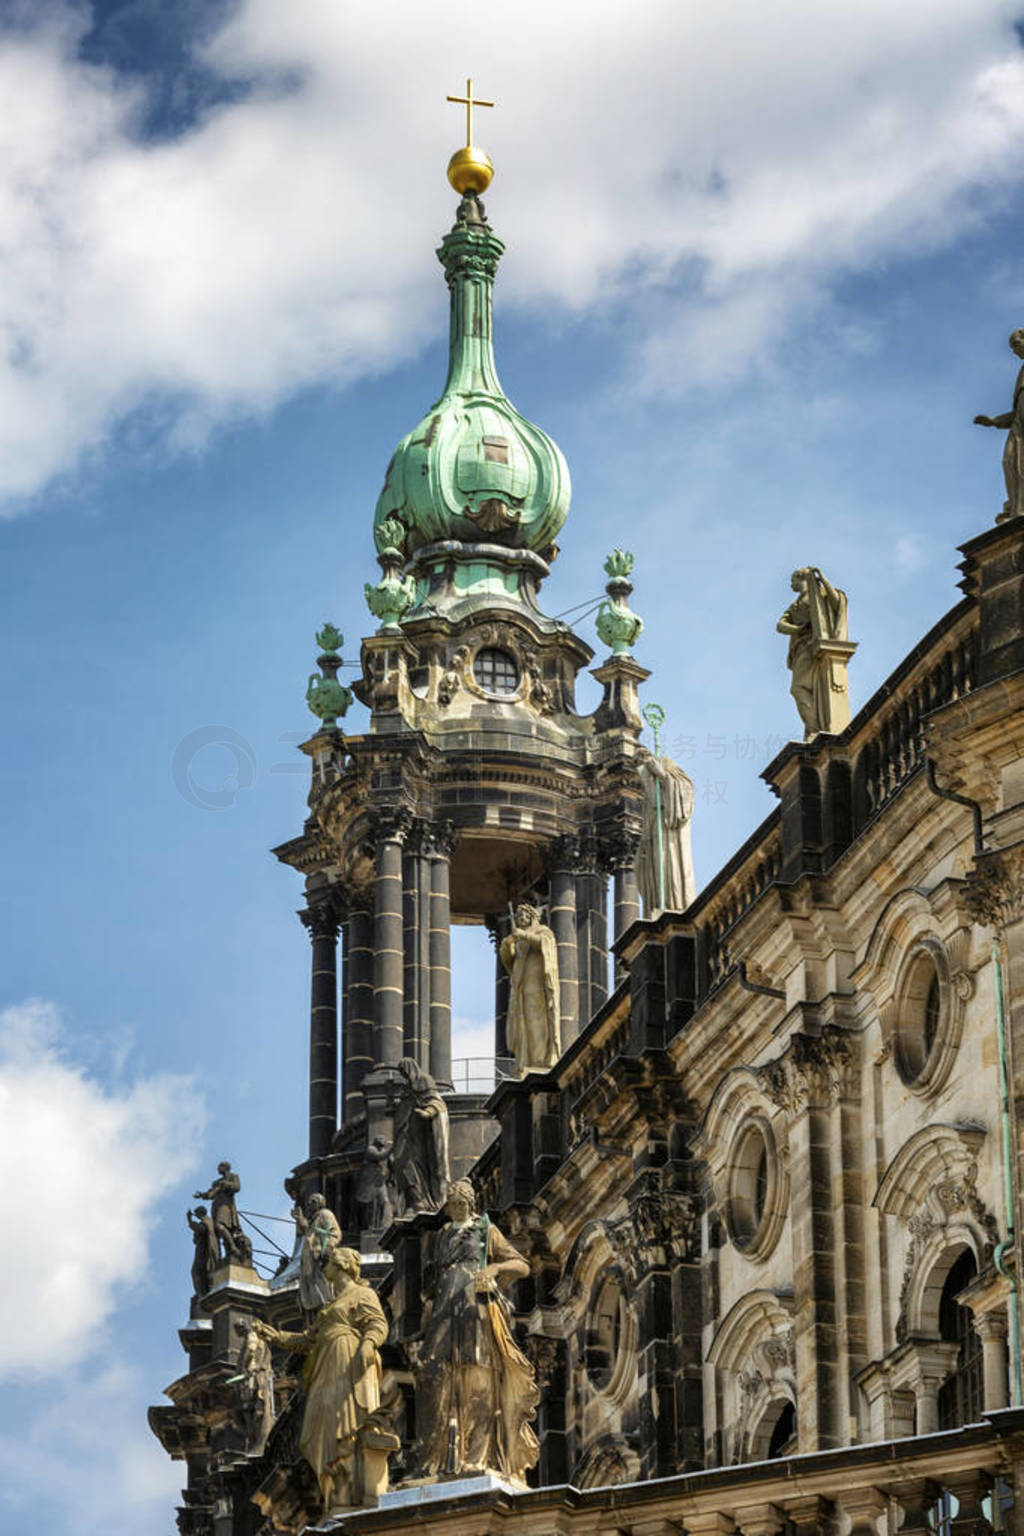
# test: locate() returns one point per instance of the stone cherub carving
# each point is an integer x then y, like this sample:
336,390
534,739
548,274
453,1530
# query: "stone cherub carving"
420,1156
530,954
476,1390
204,1259
234,1245
320,1233
372,1196
1012,422
819,649
664,864
345,1436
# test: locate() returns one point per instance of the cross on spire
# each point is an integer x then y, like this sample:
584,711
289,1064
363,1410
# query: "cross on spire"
469,102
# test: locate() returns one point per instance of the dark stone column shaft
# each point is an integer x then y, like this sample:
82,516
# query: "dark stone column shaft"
357,1041
440,954
388,946
498,927
563,925
322,922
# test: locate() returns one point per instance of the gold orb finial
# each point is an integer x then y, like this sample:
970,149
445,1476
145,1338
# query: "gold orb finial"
470,168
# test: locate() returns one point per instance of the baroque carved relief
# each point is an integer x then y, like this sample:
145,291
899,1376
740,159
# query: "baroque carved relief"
994,889
754,1353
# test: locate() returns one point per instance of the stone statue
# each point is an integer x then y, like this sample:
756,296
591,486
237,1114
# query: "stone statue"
420,1157
234,1245
204,1261
345,1436
320,1235
664,863
254,1388
475,1391
1012,422
819,649
372,1195
530,954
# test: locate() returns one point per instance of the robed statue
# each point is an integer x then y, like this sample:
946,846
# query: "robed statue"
420,1156
254,1388
320,1233
373,1198
819,649
1012,422
476,1393
345,1437
664,862
205,1256
530,955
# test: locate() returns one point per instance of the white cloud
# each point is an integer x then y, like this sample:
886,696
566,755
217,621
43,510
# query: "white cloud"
87,1460
756,152
82,1166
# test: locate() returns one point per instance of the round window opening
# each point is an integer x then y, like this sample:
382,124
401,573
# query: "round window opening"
920,1017
496,671
750,1185
604,1332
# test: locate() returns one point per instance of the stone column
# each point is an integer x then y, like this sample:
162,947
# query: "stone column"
416,968
562,859
992,1328
388,939
591,932
923,1366
321,919
498,927
441,844
622,850
357,1039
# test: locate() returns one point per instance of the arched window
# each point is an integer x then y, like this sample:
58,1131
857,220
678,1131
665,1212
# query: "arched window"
961,1394
783,1437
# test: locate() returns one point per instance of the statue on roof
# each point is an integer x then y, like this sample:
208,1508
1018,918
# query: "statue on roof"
420,1156
1012,422
345,1437
664,864
204,1260
320,1234
234,1245
530,954
819,649
476,1392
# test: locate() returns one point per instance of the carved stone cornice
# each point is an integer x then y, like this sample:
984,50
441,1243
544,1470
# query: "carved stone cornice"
993,892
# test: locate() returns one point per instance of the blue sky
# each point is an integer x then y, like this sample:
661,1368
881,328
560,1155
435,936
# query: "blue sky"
761,270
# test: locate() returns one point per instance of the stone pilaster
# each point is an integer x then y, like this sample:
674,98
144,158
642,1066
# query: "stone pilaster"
591,930
621,850
321,919
806,1082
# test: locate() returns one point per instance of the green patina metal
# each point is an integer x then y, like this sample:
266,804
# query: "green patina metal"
328,699
617,625
474,470
391,598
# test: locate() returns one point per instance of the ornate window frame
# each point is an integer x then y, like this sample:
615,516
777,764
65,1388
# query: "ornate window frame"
753,1353
738,1122
918,930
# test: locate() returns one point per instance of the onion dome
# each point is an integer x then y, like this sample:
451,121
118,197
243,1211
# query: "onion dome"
475,475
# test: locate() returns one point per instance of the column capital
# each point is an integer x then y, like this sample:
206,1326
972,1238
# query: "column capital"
390,824
993,891
324,915
619,847
563,853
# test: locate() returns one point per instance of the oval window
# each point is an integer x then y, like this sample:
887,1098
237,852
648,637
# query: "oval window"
496,671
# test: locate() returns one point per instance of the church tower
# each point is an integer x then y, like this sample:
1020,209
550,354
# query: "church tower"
477,784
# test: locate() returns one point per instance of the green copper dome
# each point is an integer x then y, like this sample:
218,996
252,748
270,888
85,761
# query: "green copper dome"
474,470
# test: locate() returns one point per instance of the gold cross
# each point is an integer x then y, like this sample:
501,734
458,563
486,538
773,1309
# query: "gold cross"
469,103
